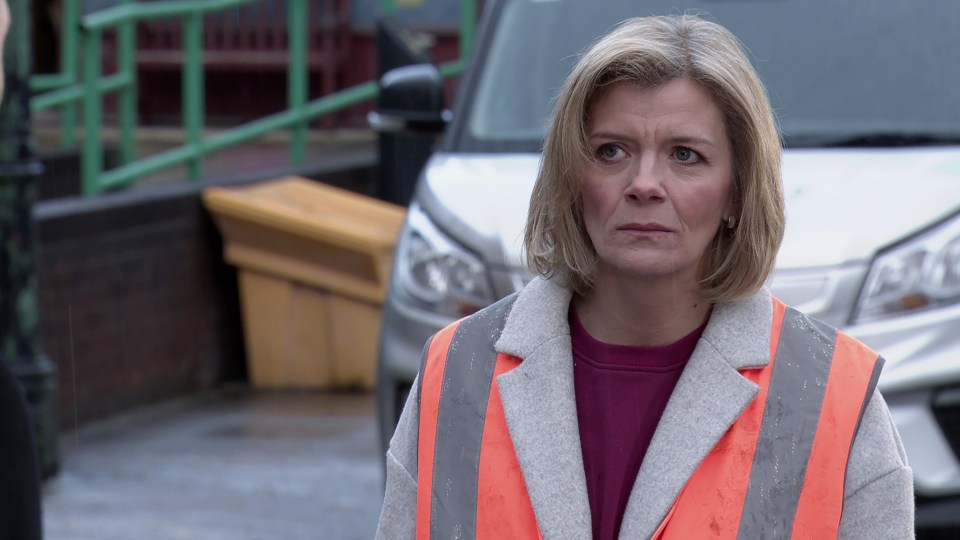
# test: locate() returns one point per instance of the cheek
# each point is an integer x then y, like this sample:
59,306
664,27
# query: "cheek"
600,197
594,206
706,208
592,201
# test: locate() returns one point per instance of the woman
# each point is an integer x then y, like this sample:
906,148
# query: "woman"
647,385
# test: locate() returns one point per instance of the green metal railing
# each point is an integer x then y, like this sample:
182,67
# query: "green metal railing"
72,87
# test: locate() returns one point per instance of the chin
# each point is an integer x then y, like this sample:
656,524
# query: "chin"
648,272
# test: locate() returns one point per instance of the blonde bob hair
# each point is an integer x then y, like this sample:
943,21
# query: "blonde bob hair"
652,51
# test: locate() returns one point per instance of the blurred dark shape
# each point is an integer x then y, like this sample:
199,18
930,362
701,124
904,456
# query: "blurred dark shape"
416,97
20,483
20,350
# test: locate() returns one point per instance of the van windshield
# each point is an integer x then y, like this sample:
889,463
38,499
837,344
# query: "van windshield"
837,72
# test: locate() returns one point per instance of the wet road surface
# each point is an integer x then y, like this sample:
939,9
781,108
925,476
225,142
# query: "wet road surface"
235,465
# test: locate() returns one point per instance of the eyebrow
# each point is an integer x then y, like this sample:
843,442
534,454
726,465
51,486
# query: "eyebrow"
692,140
682,139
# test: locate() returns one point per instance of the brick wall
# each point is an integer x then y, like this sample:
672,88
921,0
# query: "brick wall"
136,302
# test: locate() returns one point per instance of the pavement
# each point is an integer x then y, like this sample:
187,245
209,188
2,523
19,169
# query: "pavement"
230,464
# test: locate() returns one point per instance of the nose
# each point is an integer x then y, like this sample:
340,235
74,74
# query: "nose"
645,184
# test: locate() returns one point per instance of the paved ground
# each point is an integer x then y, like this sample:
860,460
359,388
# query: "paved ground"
235,465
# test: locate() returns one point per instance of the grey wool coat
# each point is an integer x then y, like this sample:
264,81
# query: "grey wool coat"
538,400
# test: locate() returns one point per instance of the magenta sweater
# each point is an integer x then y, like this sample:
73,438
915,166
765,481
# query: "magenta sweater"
621,392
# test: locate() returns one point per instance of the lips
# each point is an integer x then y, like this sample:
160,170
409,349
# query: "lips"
644,227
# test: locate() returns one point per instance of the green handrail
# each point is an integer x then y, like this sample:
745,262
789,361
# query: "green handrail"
127,64
66,90
91,162
193,88
468,18
297,84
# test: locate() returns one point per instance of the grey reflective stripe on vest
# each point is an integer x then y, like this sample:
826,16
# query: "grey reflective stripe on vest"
794,400
464,392
419,391
871,386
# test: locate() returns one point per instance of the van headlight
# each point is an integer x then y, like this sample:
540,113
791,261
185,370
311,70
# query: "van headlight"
438,272
921,273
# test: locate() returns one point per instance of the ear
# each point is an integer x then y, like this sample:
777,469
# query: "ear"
732,209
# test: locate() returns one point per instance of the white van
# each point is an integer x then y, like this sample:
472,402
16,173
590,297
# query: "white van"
867,94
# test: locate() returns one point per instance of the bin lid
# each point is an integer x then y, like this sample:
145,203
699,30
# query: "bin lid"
312,209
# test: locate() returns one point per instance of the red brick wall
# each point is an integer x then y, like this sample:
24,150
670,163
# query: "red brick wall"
136,303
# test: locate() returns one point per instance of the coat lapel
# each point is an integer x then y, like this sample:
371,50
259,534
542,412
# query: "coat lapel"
710,395
538,401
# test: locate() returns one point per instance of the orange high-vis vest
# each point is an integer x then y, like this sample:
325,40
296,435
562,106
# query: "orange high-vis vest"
779,468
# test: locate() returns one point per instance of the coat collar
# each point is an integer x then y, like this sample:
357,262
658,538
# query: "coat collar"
540,408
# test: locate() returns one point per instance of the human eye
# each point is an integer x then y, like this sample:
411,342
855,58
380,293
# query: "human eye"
686,156
609,152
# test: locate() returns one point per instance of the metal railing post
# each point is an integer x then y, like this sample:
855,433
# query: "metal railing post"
193,89
127,106
92,113
297,88
468,18
68,61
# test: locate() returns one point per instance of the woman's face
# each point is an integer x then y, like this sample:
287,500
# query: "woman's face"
659,181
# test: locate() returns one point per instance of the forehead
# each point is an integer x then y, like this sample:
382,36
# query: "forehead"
676,103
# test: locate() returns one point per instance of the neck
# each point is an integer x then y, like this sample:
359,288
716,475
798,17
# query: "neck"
641,313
